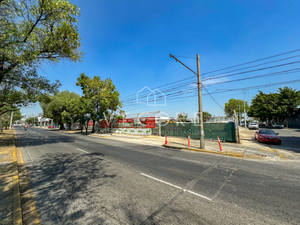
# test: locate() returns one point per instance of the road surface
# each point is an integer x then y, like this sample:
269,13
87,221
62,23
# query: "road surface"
80,179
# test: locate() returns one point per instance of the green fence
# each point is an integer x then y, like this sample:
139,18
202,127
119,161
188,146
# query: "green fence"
225,131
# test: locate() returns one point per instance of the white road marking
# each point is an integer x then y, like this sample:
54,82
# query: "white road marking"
82,150
202,196
161,181
185,190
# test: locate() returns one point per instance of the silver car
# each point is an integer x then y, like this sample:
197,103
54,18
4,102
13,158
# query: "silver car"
253,126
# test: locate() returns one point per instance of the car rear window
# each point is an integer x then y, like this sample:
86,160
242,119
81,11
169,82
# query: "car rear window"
266,132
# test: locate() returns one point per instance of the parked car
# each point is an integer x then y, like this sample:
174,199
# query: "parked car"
266,135
51,126
261,125
253,126
277,126
242,123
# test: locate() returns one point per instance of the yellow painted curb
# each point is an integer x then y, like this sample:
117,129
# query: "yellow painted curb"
17,211
17,205
207,151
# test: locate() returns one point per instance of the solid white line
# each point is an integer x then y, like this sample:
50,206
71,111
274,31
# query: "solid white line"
82,150
194,193
161,181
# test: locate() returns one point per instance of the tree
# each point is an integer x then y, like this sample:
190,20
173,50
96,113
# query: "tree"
121,115
23,87
181,117
273,106
58,108
5,117
32,120
237,105
206,116
103,94
33,31
81,107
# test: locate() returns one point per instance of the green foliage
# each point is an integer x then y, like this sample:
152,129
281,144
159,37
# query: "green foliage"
23,87
7,116
32,31
32,120
102,93
237,105
58,107
181,117
206,116
275,105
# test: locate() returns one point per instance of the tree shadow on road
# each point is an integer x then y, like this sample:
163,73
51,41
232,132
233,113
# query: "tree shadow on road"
63,185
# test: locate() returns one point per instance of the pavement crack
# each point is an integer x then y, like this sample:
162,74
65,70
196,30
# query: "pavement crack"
227,180
149,219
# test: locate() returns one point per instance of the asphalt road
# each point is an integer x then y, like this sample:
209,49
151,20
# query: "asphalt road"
80,179
290,140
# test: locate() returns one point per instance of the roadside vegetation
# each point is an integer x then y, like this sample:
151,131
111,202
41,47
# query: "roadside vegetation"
268,107
31,33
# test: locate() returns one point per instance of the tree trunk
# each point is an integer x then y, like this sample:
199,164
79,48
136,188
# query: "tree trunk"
1,128
61,126
93,130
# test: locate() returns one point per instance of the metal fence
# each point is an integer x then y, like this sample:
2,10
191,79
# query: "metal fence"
225,131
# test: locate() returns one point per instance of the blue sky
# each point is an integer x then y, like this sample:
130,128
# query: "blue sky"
130,42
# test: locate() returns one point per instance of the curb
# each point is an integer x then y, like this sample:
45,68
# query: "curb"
20,216
206,151
17,208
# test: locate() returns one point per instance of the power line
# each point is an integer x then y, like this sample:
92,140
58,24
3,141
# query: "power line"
269,57
250,71
223,69
212,96
256,65
222,82
238,89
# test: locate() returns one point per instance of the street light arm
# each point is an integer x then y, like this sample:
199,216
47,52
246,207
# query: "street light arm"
172,56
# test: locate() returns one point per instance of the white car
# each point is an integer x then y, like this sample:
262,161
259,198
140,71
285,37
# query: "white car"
253,126
277,126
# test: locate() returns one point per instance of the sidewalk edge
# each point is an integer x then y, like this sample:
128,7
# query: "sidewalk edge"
17,208
206,151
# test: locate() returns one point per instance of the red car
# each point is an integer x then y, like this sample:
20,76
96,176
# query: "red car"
50,126
265,135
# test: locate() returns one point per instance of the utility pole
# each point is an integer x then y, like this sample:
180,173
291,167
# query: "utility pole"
239,119
200,114
12,114
245,112
111,118
202,144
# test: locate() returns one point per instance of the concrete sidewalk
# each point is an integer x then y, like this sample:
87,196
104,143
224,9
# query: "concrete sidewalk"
211,146
10,201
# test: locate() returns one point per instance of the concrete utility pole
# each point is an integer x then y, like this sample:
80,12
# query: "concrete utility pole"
12,114
245,113
111,118
202,144
239,119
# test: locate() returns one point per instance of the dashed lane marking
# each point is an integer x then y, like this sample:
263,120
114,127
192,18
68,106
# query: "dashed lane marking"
82,150
172,185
